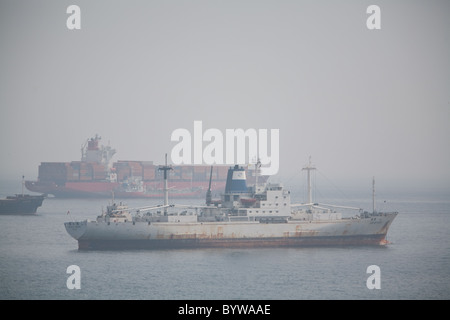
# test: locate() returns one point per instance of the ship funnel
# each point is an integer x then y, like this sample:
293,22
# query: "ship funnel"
236,180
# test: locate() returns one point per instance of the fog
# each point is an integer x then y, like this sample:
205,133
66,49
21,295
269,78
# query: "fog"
360,102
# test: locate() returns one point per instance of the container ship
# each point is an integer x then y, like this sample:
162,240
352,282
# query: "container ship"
96,175
257,216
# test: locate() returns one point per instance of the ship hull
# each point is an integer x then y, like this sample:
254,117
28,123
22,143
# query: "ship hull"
22,205
105,189
142,235
369,240
73,189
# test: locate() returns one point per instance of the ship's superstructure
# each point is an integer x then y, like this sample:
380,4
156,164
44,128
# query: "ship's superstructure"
92,152
257,216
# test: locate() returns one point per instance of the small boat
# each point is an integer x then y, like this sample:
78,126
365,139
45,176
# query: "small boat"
21,203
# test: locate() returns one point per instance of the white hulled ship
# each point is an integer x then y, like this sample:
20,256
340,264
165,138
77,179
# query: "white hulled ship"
258,216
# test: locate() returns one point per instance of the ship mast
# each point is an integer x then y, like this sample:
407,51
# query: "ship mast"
308,168
257,166
208,193
165,168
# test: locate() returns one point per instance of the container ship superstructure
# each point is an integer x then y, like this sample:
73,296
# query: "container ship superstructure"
257,216
97,176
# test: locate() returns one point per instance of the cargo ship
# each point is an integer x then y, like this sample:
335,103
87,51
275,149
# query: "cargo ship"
21,203
97,176
257,216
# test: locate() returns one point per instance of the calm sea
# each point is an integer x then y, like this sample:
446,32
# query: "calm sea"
35,252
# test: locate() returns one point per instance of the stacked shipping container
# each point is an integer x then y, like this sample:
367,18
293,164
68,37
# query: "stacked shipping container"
90,171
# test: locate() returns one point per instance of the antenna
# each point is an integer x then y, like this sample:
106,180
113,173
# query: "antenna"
373,195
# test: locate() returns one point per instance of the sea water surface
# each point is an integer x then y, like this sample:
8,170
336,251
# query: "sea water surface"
35,252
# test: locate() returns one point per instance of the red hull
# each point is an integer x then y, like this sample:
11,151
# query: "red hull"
80,189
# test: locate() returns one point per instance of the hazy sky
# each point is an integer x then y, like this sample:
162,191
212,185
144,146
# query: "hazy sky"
361,102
